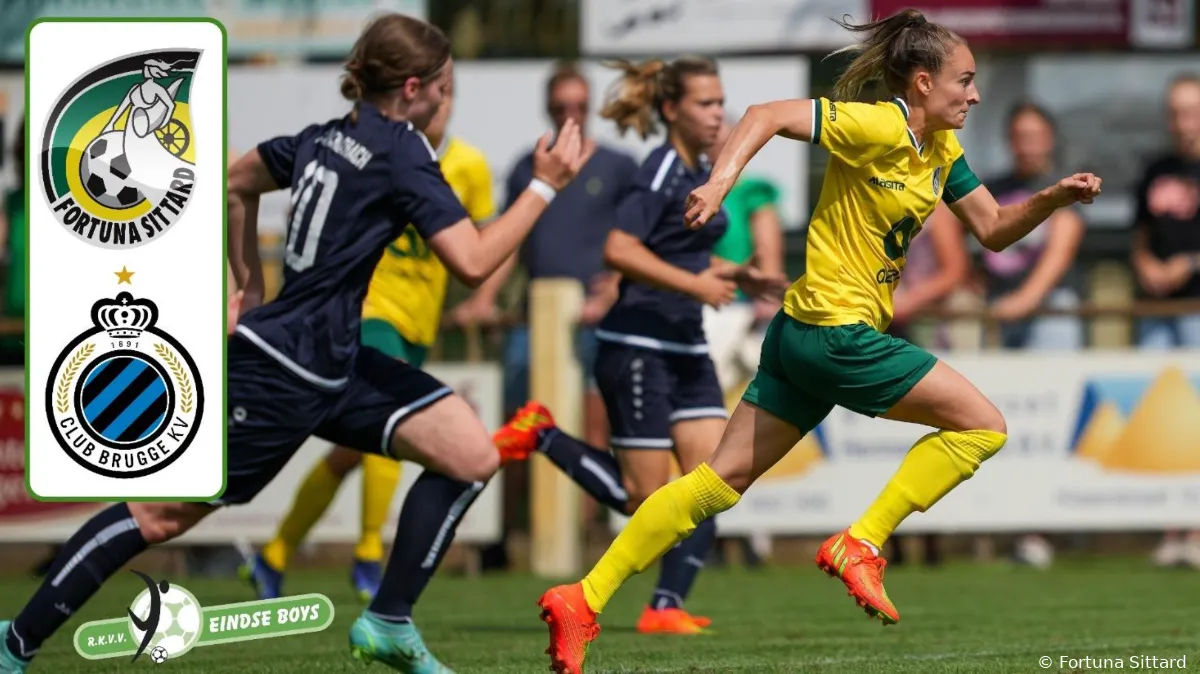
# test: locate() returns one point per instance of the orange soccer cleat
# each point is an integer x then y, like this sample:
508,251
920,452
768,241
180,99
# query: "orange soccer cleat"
572,626
671,621
861,569
518,438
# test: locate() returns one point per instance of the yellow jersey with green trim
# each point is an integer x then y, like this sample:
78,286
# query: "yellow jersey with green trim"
880,186
409,284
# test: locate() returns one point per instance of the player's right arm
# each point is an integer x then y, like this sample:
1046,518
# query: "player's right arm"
856,133
473,254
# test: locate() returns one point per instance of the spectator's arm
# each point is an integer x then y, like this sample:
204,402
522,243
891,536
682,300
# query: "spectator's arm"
950,248
1151,272
1066,232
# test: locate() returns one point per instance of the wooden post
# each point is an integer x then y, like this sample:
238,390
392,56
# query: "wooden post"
1111,285
555,379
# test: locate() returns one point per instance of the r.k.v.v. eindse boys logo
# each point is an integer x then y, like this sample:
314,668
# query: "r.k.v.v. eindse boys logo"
165,622
124,398
117,158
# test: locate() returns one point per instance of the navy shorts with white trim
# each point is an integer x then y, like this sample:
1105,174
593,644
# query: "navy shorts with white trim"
646,392
273,411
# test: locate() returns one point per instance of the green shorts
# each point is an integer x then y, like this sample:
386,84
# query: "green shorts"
806,370
382,336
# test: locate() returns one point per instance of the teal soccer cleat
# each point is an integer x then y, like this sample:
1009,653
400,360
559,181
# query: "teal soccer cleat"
9,662
397,645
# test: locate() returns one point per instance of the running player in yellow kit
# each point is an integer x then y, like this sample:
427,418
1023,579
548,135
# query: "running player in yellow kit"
890,164
400,318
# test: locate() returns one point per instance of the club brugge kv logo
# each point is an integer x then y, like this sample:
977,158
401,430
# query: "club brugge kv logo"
124,398
117,159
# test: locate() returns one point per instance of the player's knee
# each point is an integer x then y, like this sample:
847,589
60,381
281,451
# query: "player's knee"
991,419
162,522
636,494
341,461
480,468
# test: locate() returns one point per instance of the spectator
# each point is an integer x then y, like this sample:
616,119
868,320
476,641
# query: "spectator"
567,242
1166,242
1166,254
1039,271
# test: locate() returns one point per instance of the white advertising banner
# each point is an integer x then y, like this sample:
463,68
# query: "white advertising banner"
22,519
619,27
1097,441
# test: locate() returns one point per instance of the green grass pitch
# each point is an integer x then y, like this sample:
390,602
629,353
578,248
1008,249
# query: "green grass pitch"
960,618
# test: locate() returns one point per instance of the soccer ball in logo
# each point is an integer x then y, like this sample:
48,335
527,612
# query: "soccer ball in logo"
178,622
158,655
106,172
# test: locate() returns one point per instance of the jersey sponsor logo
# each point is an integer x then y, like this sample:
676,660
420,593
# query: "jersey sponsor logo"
887,184
124,398
832,111
887,276
117,159
937,181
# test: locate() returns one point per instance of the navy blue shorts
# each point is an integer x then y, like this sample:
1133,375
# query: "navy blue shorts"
646,392
272,412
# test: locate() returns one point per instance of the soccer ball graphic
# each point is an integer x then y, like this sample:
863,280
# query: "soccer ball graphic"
106,172
158,655
178,627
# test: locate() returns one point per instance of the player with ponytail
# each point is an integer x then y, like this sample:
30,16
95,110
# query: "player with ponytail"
659,385
827,346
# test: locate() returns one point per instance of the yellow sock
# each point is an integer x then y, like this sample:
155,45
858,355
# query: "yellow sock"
938,463
380,477
312,499
668,516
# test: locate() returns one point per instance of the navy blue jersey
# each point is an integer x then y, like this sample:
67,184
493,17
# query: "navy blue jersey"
355,186
652,210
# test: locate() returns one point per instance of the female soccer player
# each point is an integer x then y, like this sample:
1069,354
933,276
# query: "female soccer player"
652,368
826,347
296,365
400,319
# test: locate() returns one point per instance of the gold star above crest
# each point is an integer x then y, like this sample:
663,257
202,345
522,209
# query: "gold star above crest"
124,276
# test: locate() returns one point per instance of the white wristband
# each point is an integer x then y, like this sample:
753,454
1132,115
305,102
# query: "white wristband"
543,189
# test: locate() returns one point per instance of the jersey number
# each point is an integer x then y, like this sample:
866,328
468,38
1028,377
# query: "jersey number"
898,238
304,232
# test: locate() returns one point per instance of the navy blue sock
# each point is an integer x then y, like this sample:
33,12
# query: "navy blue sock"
98,550
681,564
595,470
431,513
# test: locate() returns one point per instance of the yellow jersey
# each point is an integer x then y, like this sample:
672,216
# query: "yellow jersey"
409,284
880,186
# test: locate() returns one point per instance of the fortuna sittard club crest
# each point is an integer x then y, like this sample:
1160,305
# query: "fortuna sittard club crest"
124,398
117,158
